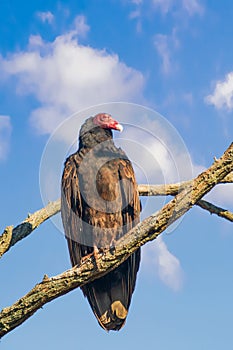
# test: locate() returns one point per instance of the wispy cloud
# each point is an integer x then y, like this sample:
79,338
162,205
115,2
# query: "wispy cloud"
193,7
161,45
222,96
188,8
137,2
81,28
159,260
5,134
165,46
166,43
163,5
46,16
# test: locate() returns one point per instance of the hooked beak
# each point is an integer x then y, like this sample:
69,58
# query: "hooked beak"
119,127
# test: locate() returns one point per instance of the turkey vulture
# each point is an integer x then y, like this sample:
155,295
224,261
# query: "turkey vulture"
99,204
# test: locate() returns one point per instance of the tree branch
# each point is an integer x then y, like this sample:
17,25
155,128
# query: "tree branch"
103,262
173,189
12,235
213,209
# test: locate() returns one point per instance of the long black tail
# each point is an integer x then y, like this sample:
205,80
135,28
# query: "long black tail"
110,295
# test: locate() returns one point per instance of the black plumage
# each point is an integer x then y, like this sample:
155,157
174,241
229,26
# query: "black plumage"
100,203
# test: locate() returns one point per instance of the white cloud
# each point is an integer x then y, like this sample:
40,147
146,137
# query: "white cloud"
222,96
177,8
35,40
221,195
190,7
65,76
5,134
80,25
193,7
46,16
161,45
165,46
137,2
135,14
159,259
163,5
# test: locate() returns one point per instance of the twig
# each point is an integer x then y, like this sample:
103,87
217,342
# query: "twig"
213,209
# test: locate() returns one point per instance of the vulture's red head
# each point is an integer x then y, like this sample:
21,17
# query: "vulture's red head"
97,129
105,121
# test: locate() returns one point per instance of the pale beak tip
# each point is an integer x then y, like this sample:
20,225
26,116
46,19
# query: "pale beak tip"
119,127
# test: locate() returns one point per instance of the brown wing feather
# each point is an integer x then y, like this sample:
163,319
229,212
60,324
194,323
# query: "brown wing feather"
131,217
110,295
71,208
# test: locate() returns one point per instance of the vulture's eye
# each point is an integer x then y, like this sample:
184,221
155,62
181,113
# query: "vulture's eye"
104,117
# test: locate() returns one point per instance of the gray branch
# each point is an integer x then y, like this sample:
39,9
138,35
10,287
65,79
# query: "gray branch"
103,262
12,235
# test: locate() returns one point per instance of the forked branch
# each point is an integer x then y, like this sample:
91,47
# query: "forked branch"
102,263
12,235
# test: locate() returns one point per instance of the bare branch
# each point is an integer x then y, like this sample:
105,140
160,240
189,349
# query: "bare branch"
213,209
5,240
173,189
94,267
10,238
163,190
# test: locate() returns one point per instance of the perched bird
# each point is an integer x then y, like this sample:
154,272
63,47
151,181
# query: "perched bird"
99,204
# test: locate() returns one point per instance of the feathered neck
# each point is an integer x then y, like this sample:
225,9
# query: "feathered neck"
90,135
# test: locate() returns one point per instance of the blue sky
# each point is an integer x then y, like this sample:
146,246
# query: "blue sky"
172,56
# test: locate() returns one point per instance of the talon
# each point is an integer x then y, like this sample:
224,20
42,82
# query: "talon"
112,249
86,257
95,253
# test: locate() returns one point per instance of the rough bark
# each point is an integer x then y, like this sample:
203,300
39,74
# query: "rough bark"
213,209
13,235
101,263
